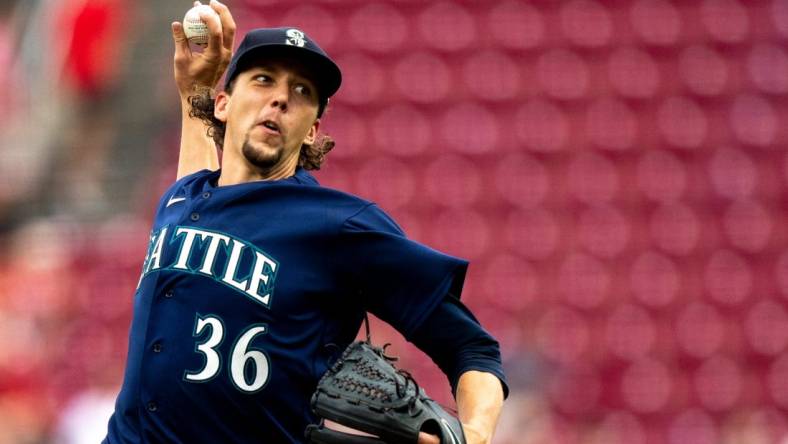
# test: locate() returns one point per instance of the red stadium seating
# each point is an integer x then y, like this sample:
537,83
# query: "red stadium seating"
616,172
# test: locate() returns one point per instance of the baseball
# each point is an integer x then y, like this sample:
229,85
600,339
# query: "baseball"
195,29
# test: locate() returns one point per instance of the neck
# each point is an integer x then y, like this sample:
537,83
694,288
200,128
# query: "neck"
238,170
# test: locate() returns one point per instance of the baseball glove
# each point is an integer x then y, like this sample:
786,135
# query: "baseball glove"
364,391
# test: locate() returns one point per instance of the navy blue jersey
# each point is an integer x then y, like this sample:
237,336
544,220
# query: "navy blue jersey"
247,292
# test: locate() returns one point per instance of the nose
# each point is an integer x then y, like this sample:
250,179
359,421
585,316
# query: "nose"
280,97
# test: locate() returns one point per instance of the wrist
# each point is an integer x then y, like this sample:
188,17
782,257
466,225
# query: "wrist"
185,97
186,91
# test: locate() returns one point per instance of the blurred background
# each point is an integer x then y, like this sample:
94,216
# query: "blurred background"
616,172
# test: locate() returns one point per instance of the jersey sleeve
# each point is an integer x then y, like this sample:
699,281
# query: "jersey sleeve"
397,279
452,336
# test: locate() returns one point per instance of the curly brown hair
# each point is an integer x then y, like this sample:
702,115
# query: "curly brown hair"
202,107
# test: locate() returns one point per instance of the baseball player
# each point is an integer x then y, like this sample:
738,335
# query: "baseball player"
256,277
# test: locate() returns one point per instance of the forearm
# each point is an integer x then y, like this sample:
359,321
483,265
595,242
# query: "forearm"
197,150
195,72
471,359
479,403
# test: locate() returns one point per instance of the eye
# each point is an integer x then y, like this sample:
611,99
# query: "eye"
263,78
303,90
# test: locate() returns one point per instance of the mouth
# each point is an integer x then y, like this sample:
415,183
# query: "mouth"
271,125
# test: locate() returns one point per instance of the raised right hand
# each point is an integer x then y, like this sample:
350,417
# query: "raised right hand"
194,70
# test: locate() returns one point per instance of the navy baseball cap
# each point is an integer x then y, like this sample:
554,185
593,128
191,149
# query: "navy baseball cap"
290,41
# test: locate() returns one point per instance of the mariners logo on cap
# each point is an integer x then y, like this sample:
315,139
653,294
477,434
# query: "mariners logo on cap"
295,37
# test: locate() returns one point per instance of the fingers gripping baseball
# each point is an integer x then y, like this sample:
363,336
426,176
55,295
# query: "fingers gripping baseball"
194,70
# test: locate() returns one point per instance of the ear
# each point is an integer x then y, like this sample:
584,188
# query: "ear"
311,136
220,106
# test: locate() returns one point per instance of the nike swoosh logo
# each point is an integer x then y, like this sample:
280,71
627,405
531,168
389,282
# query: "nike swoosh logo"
174,200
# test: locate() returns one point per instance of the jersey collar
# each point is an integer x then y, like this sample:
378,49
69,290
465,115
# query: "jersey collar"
301,177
